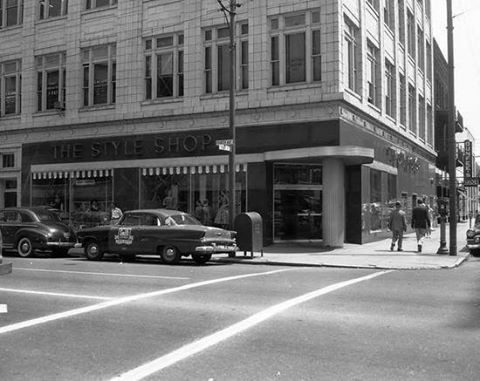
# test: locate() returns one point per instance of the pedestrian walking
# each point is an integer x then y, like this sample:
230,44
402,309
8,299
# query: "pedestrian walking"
398,225
420,222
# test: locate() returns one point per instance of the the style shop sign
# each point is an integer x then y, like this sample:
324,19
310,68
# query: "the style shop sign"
140,146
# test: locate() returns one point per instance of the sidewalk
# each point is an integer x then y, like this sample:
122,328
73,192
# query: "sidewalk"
370,255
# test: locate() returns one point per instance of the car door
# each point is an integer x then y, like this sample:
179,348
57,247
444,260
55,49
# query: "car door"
123,236
9,224
147,233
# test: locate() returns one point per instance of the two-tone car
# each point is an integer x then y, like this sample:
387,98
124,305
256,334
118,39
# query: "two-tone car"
27,230
473,238
170,234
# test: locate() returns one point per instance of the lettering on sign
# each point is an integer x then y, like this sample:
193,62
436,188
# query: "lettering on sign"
132,148
403,160
467,165
124,236
471,181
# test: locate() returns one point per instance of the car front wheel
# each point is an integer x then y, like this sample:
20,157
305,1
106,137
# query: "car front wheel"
170,255
24,247
201,259
93,252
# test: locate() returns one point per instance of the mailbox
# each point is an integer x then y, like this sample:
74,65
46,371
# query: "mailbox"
249,227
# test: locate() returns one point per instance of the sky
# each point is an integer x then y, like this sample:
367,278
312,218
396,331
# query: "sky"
466,34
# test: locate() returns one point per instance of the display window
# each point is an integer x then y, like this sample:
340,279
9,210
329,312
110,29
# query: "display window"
81,202
204,194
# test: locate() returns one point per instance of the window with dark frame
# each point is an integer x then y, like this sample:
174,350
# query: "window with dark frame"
295,48
99,75
11,13
164,66
52,8
51,78
92,4
8,160
10,83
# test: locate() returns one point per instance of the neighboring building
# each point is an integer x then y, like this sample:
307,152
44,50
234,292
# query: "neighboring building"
124,101
441,135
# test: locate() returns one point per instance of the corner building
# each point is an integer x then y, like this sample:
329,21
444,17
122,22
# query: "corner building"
124,101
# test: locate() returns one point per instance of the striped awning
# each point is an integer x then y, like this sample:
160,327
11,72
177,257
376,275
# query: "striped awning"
193,169
80,174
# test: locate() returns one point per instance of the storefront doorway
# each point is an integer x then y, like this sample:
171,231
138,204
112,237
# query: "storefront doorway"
297,206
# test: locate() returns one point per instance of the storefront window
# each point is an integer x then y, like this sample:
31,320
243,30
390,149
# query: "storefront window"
204,195
81,202
298,196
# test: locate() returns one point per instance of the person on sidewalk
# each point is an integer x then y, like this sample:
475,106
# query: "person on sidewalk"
397,224
420,222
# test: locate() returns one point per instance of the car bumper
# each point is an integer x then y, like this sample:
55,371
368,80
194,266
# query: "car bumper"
61,244
206,249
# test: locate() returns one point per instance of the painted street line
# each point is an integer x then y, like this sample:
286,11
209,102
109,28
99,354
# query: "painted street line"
127,299
46,293
3,309
219,336
106,274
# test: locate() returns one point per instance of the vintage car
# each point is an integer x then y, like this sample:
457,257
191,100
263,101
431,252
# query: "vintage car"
27,230
5,268
473,238
170,234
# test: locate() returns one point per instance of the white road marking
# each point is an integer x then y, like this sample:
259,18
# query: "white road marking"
224,334
107,274
54,294
126,299
3,309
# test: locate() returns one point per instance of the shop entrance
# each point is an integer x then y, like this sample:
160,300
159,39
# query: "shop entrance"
297,202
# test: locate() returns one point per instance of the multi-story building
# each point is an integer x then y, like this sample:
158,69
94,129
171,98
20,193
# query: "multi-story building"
122,100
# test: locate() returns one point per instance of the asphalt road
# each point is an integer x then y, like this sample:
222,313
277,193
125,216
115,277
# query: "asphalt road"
70,319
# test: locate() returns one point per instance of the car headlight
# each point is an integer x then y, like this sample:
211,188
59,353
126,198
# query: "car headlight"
470,233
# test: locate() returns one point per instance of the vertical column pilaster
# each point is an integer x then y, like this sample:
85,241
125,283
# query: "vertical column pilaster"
333,204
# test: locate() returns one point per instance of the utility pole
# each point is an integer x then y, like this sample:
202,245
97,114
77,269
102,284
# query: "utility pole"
452,170
230,14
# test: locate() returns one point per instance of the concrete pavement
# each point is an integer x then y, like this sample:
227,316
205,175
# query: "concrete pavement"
370,255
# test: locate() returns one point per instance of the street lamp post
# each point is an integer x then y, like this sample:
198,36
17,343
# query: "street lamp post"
451,134
230,16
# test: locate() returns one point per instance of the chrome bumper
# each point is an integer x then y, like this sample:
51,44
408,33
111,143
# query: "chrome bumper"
207,249
60,244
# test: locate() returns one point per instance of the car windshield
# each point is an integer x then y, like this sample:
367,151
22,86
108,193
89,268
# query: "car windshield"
181,219
48,216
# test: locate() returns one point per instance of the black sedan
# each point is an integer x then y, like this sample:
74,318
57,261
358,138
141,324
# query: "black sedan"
170,234
27,230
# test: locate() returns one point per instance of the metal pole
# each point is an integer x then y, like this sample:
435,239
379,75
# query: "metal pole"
442,211
231,158
451,134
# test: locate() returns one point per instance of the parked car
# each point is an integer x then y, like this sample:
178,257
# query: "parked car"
473,239
27,230
5,268
170,234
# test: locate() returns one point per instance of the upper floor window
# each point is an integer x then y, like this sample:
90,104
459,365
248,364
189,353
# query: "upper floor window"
373,84
50,81
389,14
374,4
217,58
351,57
421,49
411,34
92,4
164,66
52,8
8,160
99,75
412,115
421,117
401,21
403,101
428,61
10,87
11,12
295,48
390,89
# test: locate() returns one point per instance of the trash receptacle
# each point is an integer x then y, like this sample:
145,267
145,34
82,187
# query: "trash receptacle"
249,228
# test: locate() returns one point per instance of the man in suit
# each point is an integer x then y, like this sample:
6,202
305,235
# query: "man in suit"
397,225
420,222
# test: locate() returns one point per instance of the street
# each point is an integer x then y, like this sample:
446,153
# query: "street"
71,319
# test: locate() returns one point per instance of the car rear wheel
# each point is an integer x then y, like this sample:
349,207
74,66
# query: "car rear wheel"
201,259
24,247
170,255
93,252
